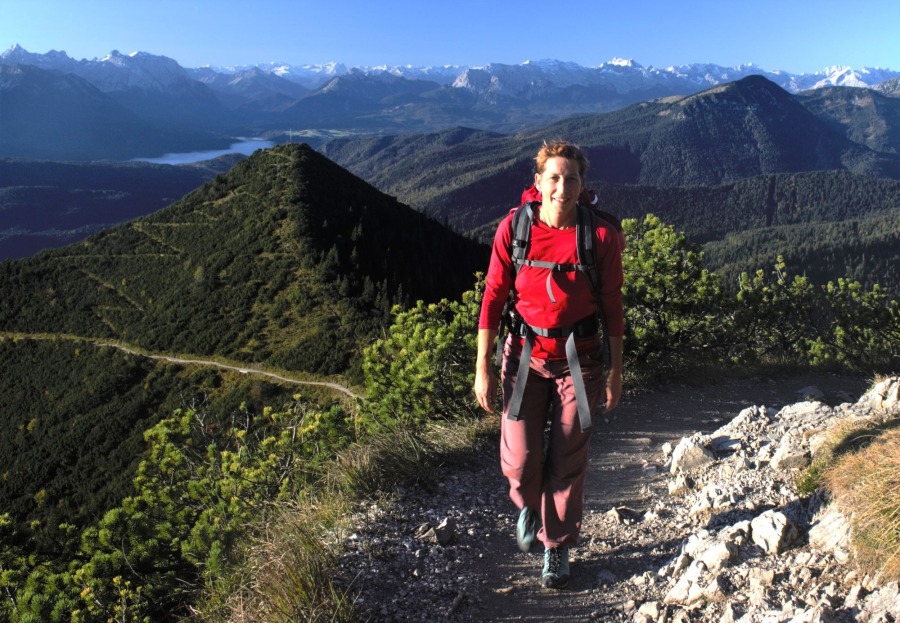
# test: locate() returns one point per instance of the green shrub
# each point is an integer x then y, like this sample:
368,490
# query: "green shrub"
199,490
775,317
864,328
784,319
673,305
424,367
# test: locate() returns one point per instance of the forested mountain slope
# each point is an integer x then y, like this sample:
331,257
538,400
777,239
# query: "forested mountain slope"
742,129
826,224
865,116
285,262
286,259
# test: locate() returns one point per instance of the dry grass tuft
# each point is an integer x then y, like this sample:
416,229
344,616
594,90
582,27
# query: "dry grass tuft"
380,464
845,436
866,487
289,568
406,456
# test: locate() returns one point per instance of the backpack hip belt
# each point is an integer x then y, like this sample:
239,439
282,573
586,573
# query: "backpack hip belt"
586,327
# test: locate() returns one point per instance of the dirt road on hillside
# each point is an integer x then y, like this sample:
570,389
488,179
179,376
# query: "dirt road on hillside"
236,368
211,363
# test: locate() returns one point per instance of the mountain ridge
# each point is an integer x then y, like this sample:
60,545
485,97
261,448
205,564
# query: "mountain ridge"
742,129
51,115
286,258
274,100
314,75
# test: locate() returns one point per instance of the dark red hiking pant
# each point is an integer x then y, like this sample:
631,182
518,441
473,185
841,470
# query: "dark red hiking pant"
550,479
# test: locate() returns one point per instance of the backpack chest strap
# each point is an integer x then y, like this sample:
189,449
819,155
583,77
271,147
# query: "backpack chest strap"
554,268
522,223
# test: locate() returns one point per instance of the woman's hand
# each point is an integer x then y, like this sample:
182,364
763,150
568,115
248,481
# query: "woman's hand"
485,377
485,388
613,389
614,377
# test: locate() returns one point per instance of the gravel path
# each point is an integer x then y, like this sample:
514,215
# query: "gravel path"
401,572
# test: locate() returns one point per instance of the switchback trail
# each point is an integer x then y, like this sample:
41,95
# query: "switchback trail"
184,360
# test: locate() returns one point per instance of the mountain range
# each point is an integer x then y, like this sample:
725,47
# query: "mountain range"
152,105
730,132
730,164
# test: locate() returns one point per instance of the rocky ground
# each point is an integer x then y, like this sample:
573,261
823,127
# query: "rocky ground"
692,515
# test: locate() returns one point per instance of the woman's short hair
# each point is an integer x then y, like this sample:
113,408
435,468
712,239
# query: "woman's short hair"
562,149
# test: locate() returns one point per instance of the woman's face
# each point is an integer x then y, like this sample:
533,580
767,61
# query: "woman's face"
560,183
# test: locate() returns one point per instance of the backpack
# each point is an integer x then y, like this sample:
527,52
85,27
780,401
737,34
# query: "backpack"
585,225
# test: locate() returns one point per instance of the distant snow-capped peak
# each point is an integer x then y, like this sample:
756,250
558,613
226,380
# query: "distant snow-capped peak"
145,70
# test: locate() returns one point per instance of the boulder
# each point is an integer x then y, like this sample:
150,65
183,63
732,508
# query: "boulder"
689,455
830,532
773,532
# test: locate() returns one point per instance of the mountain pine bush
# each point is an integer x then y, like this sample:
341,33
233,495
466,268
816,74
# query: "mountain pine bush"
673,304
196,496
784,319
422,368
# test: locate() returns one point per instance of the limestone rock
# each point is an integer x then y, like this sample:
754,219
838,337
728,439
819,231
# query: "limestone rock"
791,453
881,605
773,532
442,534
884,395
830,532
689,455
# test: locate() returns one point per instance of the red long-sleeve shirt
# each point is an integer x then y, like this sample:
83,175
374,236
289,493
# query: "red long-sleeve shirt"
572,291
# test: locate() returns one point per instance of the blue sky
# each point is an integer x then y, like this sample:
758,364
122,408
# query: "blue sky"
799,36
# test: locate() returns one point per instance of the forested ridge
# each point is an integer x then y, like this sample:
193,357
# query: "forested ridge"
286,262
287,258
741,130
825,224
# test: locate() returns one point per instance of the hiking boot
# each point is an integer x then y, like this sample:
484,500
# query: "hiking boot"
527,529
556,567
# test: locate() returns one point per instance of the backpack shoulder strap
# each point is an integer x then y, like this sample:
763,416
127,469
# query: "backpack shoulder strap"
584,235
520,230
521,223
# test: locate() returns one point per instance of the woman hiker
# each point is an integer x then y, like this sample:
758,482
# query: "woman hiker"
563,296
